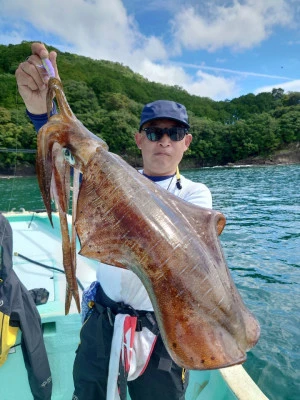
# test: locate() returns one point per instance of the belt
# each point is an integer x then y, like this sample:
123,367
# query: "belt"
105,305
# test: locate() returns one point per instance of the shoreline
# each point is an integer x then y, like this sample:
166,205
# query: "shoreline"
290,155
241,164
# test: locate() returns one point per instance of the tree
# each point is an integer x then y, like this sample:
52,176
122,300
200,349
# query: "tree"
81,98
8,91
278,93
207,145
108,98
118,132
262,134
289,126
292,99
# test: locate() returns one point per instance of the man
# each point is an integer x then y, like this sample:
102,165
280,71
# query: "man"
162,138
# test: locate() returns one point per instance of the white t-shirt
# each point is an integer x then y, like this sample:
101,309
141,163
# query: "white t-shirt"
123,285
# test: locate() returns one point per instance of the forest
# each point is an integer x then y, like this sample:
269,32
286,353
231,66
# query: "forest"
108,98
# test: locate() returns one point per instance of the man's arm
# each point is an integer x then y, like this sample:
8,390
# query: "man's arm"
196,193
40,120
201,197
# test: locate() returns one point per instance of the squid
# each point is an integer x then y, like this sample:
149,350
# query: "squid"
123,219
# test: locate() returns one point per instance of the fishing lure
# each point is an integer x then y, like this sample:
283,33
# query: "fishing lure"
48,67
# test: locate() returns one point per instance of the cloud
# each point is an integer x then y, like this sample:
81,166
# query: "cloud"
239,26
293,42
98,28
202,84
230,71
103,29
215,87
292,86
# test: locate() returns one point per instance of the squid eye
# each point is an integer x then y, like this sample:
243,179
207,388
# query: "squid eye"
68,156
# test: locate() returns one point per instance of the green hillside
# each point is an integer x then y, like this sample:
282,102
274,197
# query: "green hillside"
108,97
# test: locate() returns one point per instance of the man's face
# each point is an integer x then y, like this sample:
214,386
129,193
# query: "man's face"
162,157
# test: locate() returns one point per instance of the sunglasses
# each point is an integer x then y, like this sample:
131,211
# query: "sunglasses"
176,133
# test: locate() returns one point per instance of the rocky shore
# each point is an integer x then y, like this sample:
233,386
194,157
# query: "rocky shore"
287,156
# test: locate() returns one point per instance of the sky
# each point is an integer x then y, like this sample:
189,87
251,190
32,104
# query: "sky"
221,49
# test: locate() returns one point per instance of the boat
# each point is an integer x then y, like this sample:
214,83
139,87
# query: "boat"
37,261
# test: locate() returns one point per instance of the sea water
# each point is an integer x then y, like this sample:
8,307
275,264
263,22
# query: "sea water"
261,242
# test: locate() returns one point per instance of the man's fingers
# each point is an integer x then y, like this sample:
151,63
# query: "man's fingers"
40,50
32,69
